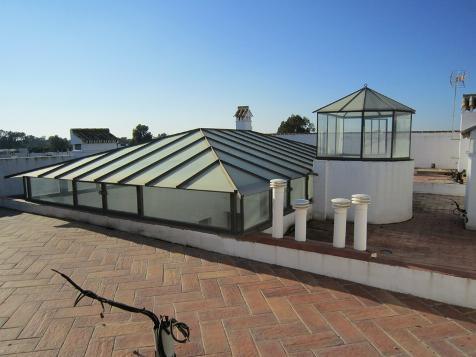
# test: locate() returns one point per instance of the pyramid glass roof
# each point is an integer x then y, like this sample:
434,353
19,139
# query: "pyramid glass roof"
222,160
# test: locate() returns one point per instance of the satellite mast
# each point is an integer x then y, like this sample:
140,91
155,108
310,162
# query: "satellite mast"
457,80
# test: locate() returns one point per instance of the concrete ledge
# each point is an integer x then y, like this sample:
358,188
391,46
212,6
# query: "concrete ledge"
409,280
447,189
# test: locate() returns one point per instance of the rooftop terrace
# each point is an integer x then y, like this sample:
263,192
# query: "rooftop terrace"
233,306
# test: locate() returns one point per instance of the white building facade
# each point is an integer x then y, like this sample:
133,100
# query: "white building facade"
91,141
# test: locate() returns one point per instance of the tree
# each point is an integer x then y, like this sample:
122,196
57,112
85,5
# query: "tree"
58,144
161,135
141,134
296,124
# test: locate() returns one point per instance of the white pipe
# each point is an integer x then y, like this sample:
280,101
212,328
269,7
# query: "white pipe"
300,219
340,205
278,186
361,203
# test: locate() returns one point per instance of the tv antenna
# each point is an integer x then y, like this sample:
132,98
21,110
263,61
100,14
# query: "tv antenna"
457,80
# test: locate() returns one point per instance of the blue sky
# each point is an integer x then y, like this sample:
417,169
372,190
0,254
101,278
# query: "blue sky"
178,65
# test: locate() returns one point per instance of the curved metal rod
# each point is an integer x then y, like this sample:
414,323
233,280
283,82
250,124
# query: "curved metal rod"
160,322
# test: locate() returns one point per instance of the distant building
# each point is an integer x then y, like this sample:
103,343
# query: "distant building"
90,141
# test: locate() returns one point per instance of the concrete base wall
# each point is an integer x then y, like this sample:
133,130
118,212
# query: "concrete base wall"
448,189
431,285
389,184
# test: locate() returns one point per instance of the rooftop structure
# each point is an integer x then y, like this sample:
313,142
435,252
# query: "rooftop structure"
223,175
364,125
91,136
90,141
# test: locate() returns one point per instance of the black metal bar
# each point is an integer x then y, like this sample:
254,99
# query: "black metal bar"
304,147
272,142
288,194
362,136
179,165
233,212
245,171
104,196
317,134
242,217
155,163
265,146
99,167
25,190
273,154
140,200
251,154
394,128
306,188
153,152
346,158
270,204
197,174
28,187
410,146
75,193
335,101
254,164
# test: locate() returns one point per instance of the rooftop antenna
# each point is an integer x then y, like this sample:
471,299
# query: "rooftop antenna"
457,80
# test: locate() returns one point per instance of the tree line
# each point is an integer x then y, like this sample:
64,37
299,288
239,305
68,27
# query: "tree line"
294,124
55,143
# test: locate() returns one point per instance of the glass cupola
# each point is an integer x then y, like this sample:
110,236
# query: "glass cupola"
364,125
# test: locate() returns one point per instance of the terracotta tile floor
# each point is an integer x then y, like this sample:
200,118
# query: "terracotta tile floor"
434,237
233,306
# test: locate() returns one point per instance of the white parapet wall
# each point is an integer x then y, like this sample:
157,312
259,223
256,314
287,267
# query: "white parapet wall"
14,186
414,281
439,148
388,183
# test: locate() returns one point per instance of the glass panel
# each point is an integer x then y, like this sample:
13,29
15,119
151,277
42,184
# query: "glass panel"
377,135
249,137
73,165
298,188
249,167
205,208
215,178
256,209
352,128
246,183
401,146
35,173
137,155
183,173
52,190
122,198
241,139
162,166
89,194
257,157
339,134
107,159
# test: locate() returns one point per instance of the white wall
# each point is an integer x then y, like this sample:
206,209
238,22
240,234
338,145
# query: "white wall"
88,149
389,184
470,198
427,148
14,186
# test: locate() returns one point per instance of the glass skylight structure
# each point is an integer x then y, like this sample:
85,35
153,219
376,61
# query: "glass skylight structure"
364,125
216,179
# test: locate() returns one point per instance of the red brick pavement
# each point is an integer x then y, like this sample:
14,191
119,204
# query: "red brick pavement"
233,306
